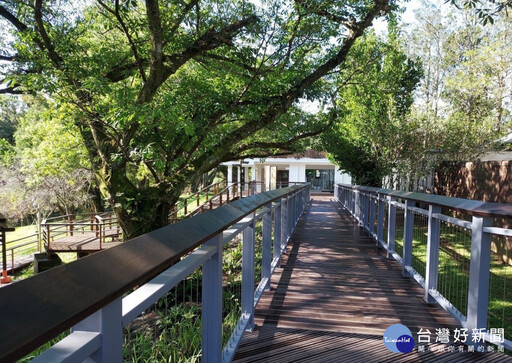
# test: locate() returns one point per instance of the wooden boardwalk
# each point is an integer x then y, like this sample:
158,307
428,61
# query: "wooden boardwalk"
335,295
83,242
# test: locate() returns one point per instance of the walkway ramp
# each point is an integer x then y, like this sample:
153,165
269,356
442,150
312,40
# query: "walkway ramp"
336,294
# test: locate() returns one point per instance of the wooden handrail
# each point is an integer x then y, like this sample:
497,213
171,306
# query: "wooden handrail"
472,207
54,301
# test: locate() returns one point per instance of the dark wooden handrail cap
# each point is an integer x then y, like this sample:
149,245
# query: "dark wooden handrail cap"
472,207
37,309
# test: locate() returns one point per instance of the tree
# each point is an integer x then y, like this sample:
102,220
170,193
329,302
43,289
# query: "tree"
462,103
47,165
11,109
163,92
485,10
372,135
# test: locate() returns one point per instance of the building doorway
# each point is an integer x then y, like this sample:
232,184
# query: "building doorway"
321,179
283,178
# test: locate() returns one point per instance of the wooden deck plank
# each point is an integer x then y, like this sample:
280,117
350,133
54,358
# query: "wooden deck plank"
334,296
82,242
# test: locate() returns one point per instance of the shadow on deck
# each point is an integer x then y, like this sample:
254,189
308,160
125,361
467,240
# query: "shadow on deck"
335,295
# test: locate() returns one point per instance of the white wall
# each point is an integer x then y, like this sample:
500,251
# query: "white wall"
294,172
342,178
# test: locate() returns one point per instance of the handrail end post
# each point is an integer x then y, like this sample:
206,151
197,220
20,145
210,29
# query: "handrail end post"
212,304
108,322
479,274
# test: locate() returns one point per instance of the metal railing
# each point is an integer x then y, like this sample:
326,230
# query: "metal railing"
20,247
221,194
101,226
449,246
90,295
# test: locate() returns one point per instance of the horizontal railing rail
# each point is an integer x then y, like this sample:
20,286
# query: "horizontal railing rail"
101,225
88,295
220,197
450,257
18,248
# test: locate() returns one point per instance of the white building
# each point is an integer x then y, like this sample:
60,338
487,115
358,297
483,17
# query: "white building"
274,172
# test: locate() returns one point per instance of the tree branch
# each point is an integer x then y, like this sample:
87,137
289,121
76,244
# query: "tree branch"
231,61
8,58
55,58
6,14
285,101
11,91
210,40
121,22
186,10
286,144
156,65
321,12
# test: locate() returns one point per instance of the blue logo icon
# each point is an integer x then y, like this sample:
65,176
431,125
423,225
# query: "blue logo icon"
398,339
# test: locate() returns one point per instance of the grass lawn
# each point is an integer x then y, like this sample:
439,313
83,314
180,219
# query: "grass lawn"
453,273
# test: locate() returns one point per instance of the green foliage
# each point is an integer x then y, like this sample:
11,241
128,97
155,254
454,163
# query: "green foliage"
462,103
47,165
163,96
48,145
11,109
372,133
486,11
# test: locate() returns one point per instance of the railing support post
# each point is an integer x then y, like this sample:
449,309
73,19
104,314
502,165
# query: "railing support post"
371,215
248,275
357,206
284,223
380,220
366,211
212,304
107,322
391,227
277,233
289,223
408,236
479,271
266,252
434,232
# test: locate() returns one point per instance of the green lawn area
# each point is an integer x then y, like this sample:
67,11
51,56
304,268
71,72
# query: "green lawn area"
20,232
453,277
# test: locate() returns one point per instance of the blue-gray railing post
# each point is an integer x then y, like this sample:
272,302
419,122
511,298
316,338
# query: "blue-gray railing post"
364,201
284,223
290,215
107,322
357,206
391,226
479,271
212,304
408,236
380,220
371,216
248,275
277,232
293,212
298,206
266,249
433,236
353,202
